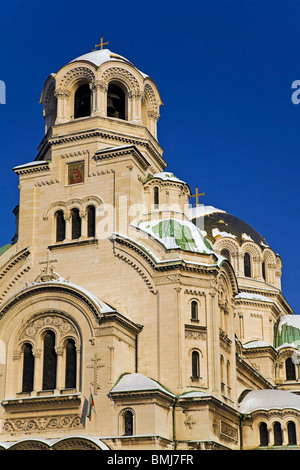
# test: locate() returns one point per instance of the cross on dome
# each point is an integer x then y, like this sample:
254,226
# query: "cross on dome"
101,44
197,195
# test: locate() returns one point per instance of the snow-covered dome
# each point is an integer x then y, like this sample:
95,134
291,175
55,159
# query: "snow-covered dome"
217,222
269,400
101,56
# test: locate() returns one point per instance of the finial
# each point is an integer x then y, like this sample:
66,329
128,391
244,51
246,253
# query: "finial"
101,44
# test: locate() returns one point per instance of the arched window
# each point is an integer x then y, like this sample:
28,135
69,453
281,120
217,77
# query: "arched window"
263,270
292,437
277,434
82,101
247,265
28,369
195,365
70,364
91,221
50,362
263,435
226,254
128,423
60,226
156,197
194,310
290,369
115,102
76,224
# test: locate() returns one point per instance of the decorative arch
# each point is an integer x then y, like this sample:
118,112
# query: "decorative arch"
77,75
122,76
49,102
127,422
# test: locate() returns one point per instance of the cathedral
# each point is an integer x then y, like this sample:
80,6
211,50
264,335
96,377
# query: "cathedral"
130,318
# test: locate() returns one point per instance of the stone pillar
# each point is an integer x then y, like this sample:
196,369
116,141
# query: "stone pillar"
60,369
62,97
99,90
153,117
136,107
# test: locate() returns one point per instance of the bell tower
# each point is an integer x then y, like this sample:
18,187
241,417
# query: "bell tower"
99,147
103,93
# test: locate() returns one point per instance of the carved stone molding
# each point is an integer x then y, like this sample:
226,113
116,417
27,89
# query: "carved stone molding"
45,423
192,332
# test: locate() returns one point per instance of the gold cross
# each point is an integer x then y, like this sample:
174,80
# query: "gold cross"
197,196
101,44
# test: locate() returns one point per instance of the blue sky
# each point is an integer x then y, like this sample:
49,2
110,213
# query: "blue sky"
224,70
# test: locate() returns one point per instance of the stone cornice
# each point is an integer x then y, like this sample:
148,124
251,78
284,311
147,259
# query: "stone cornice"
106,154
50,140
30,168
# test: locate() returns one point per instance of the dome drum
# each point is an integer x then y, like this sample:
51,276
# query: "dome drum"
107,85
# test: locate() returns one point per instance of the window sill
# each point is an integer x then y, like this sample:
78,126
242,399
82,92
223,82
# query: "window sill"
72,243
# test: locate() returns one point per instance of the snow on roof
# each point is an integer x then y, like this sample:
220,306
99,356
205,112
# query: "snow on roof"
201,210
289,320
269,400
168,176
39,162
216,233
288,345
246,237
194,394
178,234
169,261
249,296
138,382
101,56
256,344
103,307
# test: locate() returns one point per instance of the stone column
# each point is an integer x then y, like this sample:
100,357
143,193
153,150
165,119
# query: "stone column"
62,97
60,369
99,90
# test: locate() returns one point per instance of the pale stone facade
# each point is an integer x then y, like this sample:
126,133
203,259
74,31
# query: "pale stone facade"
112,290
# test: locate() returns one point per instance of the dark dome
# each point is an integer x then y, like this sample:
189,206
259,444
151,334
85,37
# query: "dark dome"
216,222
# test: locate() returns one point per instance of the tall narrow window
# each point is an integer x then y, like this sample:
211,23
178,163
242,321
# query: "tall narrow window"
195,365
263,435
226,254
290,369
247,265
194,310
28,369
76,224
292,437
263,270
277,434
50,362
115,102
70,364
91,221
82,101
60,226
128,423
156,197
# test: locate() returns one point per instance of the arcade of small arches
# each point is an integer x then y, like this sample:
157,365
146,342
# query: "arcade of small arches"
49,353
73,220
249,260
275,435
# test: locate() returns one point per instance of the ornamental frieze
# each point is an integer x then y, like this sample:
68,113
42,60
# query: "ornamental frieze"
45,423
